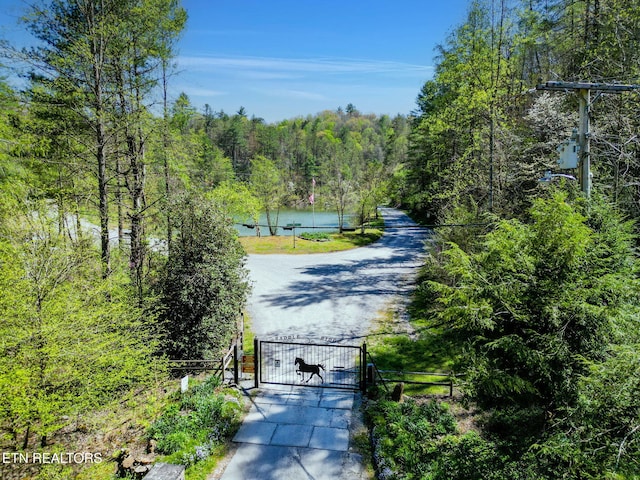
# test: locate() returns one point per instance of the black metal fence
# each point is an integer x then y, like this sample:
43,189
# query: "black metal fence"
314,365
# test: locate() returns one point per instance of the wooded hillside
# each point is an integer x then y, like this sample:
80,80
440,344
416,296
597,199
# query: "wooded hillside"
539,290
483,136
111,193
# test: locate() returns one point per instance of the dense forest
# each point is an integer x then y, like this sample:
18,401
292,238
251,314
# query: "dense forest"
483,135
117,247
538,286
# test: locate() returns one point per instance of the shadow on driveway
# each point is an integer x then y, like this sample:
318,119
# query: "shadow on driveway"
336,294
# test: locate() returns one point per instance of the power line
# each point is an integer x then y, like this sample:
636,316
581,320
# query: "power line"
584,90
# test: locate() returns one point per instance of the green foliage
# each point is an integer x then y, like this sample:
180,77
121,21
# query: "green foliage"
449,137
545,309
532,302
212,167
71,342
204,285
479,130
406,434
267,186
317,236
546,302
98,62
468,457
421,441
190,429
600,435
237,200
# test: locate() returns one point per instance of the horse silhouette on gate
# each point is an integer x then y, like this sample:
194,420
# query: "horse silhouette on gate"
306,368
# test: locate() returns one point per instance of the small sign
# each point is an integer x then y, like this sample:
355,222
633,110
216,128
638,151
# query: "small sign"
184,384
247,364
277,363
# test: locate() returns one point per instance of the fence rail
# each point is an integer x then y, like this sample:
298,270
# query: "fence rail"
319,365
374,375
399,376
219,366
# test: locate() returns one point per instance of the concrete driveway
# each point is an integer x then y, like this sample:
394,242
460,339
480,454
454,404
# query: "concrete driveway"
333,297
296,433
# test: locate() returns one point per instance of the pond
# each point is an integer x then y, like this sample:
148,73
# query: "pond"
308,220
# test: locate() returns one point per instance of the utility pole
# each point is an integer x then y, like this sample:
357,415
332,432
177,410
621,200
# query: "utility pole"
584,96
584,133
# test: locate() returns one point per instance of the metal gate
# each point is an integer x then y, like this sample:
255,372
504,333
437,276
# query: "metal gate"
309,364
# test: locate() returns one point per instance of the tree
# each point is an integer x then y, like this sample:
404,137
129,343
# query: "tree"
266,185
182,112
467,136
339,184
145,42
80,65
599,435
236,199
234,142
9,178
211,166
72,341
105,54
538,302
204,284
371,191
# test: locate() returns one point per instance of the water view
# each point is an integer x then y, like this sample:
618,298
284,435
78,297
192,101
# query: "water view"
304,220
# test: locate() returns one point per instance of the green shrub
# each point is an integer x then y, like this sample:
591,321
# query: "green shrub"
172,442
406,435
315,236
421,441
190,429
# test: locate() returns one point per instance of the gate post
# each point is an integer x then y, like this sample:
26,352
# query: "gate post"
256,362
236,378
363,370
371,376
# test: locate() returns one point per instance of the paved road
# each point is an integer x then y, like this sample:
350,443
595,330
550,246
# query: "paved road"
334,296
294,432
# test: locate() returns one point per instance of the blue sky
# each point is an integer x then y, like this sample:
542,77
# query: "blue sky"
285,58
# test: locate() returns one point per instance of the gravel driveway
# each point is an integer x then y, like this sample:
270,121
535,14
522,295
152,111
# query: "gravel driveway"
333,297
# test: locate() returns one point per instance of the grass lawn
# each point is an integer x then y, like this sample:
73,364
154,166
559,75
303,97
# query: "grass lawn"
282,244
248,336
429,350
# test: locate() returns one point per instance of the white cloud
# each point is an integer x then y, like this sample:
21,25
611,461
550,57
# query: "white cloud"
295,94
265,75
284,66
199,92
278,87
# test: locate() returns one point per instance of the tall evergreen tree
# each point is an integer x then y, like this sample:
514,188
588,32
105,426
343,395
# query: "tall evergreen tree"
204,285
105,55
